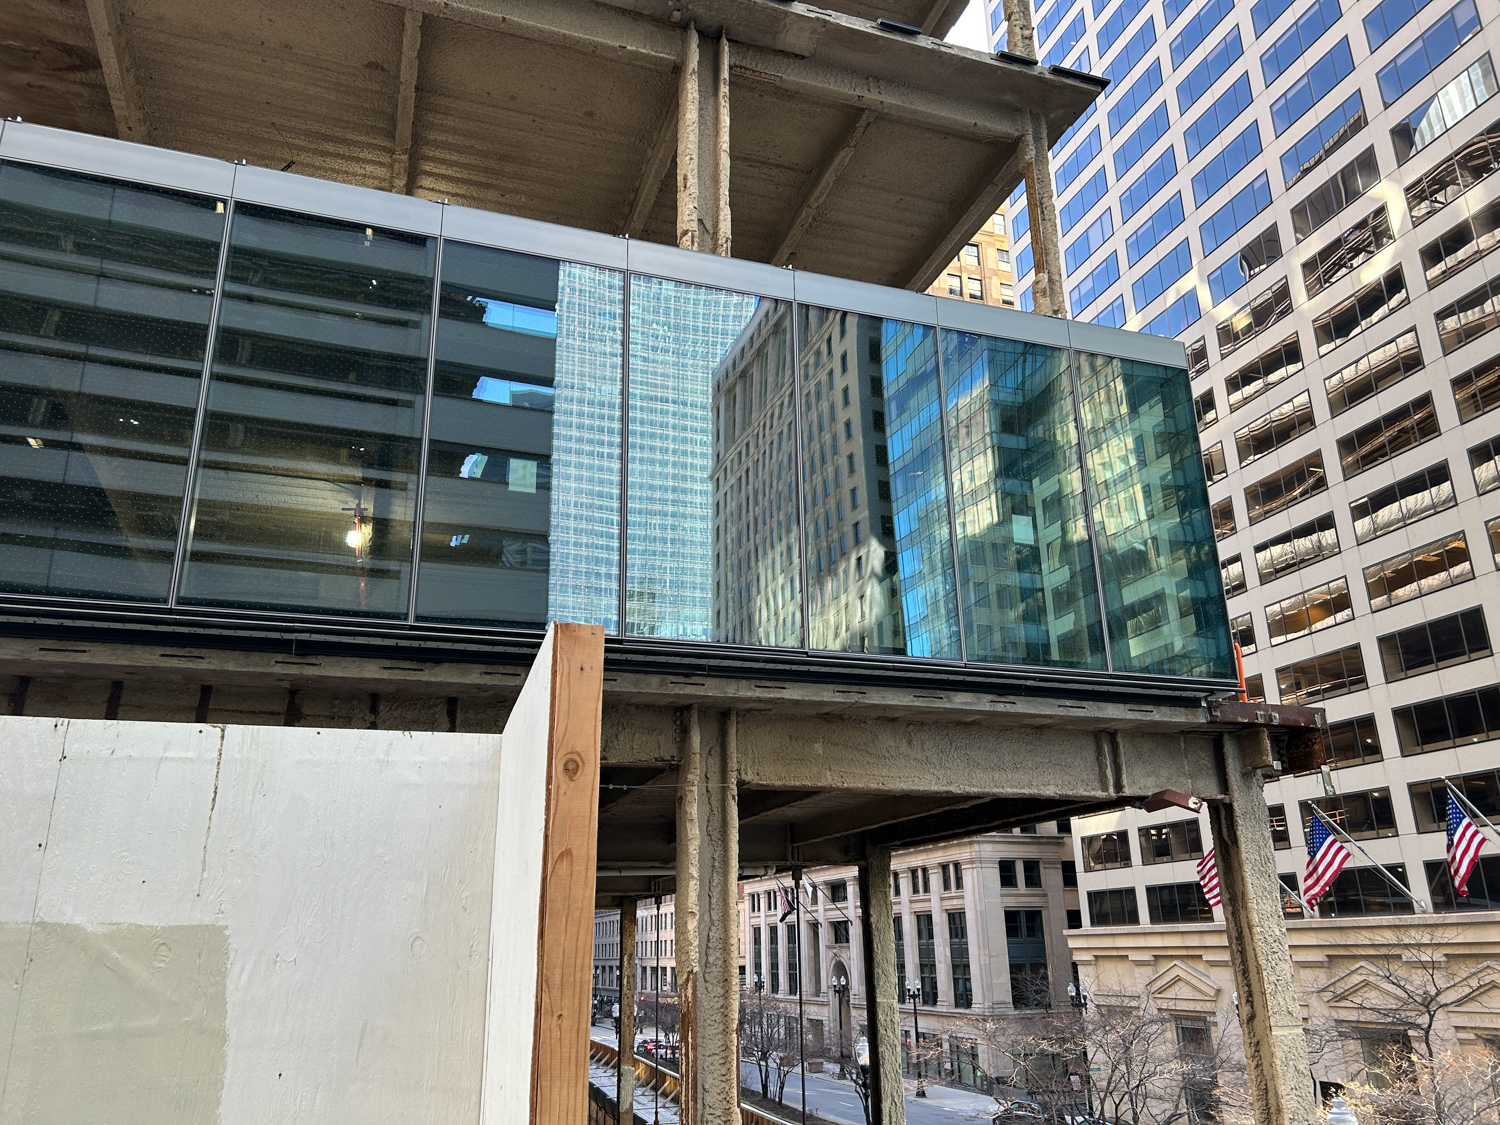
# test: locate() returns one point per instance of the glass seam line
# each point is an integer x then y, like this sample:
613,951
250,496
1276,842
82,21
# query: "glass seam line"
958,598
804,553
1088,505
419,511
622,548
188,515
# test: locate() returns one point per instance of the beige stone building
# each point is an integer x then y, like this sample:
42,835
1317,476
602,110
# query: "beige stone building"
982,271
980,926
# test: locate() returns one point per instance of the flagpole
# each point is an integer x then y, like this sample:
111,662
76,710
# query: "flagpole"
1420,904
1469,806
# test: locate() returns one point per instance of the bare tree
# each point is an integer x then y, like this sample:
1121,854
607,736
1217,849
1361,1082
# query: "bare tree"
1124,1062
769,1038
1395,1007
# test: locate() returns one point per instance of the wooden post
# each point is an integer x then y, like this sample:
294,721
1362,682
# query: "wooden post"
536,1051
1270,1017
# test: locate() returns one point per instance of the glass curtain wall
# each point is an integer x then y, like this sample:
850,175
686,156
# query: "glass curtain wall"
525,406
1025,565
306,485
106,292
786,476
1162,600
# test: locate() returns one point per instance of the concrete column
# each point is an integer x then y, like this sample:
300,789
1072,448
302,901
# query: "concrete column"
707,918
625,1079
1041,205
1270,1018
882,1007
703,146
1036,162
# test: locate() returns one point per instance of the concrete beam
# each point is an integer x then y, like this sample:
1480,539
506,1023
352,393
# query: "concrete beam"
703,146
942,16
625,1062
406,100
950,759
653,173
812,203
983,200
1041,204
120,78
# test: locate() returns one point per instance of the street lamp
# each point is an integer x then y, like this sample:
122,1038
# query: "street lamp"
912,993
840,986
1078,996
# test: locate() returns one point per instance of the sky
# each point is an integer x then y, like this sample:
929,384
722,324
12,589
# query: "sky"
969,30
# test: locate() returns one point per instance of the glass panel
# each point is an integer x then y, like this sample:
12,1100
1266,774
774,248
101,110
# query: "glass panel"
1025,564
879,557
1162,591
105,296
711,539
306,488
521,514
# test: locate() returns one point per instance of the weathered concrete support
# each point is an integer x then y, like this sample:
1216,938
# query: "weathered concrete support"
1036,164
406,100
1270,1018
625,1075
707,919
882,1005
120,75
1041,202
703,147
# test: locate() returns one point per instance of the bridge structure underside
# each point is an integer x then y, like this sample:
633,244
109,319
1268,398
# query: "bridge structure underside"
707,772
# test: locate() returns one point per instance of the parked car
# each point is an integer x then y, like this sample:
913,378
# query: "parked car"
1017,1113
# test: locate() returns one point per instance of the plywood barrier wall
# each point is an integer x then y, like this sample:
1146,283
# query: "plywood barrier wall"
206,924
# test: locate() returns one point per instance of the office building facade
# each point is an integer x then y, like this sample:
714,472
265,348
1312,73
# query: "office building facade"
980,929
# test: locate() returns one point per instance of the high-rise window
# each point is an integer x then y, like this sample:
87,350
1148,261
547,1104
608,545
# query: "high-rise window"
1114,907
1461,719
1459,245
1352,742
1308,611
1277,428
1364,816
1454,175
1285,487
1263,372
1374,371
1439,643
900,958
1411,498
1469,317
1394,432
1484,461
1291,550
1166,843
1105,851
1322,677
1348,252
1427,50
1365,309
1254,317
958,959
926,959
1334,194
1174,904
1477,390
1433,566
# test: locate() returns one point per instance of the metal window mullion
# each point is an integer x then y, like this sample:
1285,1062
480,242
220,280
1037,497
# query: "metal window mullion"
1088,507
958,596
626,295
188,516
799,466
419,509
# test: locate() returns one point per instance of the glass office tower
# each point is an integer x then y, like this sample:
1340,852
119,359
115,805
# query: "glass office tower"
227,393
1304,192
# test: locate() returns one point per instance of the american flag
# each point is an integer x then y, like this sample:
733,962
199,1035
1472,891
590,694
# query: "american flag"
1208,876
1326,856
1464,842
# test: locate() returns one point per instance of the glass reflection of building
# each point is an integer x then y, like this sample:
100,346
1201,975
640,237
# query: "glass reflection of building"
755,593
390,424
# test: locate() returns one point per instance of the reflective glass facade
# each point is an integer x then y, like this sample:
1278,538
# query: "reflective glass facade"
277,405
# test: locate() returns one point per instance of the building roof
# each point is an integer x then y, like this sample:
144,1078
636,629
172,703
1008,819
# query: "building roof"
855,150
